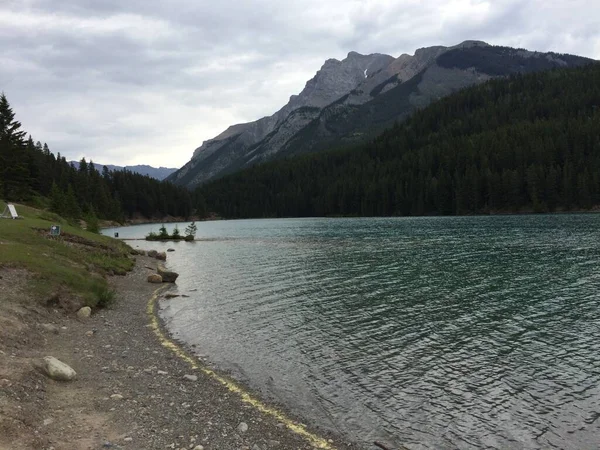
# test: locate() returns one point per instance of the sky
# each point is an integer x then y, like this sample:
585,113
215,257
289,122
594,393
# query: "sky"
146,82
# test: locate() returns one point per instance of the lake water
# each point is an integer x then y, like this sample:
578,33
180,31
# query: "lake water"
427,333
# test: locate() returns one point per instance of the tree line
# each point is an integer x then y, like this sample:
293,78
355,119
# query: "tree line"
524,143
30,172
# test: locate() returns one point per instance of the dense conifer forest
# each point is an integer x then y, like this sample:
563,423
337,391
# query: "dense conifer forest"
30,172
523,143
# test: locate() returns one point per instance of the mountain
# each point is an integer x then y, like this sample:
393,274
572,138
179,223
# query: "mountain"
352,100
528,143
160,173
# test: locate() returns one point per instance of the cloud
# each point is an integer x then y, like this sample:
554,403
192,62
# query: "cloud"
143,81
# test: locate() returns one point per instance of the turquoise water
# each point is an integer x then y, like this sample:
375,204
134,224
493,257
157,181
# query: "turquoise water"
427,333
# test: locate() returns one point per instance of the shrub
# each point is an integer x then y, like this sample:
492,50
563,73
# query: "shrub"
105,296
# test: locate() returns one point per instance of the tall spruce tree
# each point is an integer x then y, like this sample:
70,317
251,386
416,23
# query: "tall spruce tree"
14,175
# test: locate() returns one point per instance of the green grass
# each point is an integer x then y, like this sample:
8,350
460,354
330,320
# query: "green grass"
59,263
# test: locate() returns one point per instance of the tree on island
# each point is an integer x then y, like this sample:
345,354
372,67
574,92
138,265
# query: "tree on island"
190,231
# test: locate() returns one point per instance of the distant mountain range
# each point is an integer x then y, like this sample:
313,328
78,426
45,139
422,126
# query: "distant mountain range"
160,173
352,100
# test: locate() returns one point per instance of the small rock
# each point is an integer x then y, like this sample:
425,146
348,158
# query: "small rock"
199,447
171,250
48,422
242,427
50,328
152,253
161,372
162,256
116,397
58,370
89,333
168,296
84,312
190,377
128,439
167,275
154,278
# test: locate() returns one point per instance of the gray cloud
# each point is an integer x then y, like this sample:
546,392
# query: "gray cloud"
147,81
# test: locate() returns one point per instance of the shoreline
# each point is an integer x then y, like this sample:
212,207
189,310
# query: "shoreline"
132,391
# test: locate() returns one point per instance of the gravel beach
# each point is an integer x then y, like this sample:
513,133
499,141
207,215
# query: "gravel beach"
132,391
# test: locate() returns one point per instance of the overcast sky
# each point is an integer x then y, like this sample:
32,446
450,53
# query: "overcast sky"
145,82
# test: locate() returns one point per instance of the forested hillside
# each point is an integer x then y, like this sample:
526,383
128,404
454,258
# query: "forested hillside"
29,172
529,142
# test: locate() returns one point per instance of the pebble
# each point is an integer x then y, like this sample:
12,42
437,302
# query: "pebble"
162,372
242,427
190,377
116,397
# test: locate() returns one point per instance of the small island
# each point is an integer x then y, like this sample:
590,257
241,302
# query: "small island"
163,235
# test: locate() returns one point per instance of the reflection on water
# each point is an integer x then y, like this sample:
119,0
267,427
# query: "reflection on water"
430,333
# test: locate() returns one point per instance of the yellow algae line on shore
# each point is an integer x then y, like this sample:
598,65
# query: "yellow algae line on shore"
315,440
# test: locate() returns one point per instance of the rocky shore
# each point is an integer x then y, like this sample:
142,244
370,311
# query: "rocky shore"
131,390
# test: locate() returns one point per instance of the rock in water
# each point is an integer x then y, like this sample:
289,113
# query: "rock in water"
84,312
167,276
58,370
171,250
154,278
162,256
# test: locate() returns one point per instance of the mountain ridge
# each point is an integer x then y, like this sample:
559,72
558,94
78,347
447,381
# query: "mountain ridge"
159,173
354,99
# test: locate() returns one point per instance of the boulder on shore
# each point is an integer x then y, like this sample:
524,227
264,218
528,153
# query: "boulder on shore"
167,275
162,256
58,370
152,253
84,312
154,278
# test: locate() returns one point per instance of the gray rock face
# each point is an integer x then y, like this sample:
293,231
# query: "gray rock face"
334,80
57,370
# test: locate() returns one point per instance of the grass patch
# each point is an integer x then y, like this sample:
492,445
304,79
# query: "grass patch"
74,262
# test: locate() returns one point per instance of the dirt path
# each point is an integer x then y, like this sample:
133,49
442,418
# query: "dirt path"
130,392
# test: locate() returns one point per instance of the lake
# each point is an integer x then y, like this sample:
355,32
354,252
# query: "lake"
427,333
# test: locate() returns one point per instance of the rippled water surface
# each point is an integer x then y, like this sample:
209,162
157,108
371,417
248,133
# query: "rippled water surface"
427,333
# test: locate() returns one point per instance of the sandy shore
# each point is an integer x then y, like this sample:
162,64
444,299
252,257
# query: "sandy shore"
131,391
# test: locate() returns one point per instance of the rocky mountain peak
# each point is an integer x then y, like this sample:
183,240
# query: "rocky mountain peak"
337,78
